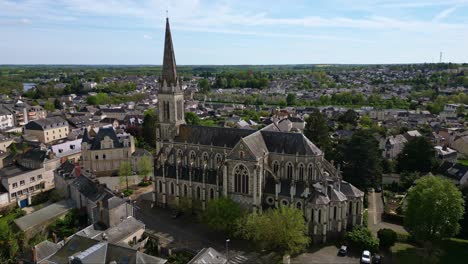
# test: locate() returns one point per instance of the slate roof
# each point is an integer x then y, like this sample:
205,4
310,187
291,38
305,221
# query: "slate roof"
43,215
208,255
45,249
90,190
124,229
454,171
216,136
258,141
102,133
74,245
46,123
336,195
349,190
318,198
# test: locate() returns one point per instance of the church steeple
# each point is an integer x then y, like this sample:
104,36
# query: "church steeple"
169,72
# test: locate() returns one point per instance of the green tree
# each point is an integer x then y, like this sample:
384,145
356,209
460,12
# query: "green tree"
282,229
150,121
9,248
387,238
125,170
362,165
408,179
317,131
434,209
222,214
49,106
418,154
204,85
348,117
291,99
57,104
360,238
145,167
192,119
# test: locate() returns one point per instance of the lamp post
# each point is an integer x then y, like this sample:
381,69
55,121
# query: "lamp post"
227,250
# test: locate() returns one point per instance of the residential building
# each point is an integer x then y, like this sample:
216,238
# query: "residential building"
47,130
103,154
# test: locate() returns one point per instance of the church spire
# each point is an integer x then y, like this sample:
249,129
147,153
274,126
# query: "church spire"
169,72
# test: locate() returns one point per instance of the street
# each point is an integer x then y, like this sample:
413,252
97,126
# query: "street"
376,208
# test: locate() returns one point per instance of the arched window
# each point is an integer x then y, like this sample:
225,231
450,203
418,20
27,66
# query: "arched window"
310,172
205,157
319,216
193,156
198,193
241,179
172,188
275,167
160,186
219,159
334,213
185,190
350,209
289,171
301,172
211,194
241,154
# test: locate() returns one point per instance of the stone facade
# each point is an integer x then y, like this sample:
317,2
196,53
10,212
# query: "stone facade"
258,169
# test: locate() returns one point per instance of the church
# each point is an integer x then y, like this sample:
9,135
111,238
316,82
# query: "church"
258,169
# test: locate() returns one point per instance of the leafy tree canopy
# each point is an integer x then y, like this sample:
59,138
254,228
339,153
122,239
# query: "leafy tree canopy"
418,155
434,209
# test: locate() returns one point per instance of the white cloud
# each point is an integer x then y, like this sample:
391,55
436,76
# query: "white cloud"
147,37
444,13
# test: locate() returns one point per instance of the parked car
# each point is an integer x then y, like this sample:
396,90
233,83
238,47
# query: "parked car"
376,259
366,257
343,251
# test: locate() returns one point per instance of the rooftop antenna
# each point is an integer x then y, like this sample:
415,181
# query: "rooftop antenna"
440,57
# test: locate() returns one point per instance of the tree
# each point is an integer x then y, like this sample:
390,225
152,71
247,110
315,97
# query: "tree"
125,170
362,164
348,117
418,154
145,168
360,238
434,209
204,85
291,99
387,238
49,106
150,121
9,243
408,179
317,131
222,215
192,119
57,104
282,229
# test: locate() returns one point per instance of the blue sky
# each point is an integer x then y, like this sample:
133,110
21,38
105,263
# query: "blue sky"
233,31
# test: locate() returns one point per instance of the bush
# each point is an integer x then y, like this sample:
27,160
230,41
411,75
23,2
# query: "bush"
127,192
360,238
387,238
365,218
144,183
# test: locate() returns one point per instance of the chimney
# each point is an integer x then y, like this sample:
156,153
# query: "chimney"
34,255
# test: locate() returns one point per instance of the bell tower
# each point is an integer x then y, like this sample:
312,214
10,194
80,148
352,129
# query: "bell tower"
170,95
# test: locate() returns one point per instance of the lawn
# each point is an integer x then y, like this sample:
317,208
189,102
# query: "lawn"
463,162
452,251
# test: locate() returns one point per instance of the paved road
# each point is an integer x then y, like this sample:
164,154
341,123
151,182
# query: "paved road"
186,233
324,255
376,208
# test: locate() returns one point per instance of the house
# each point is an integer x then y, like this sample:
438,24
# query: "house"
104,153
68,150
100,202
6,118
392,146
461,145
456,172
91,246
33,174
48,129
446,154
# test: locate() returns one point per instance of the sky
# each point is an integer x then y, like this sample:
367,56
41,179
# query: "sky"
224,32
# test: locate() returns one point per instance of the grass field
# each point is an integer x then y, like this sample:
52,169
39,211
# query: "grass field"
449,251
463,162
